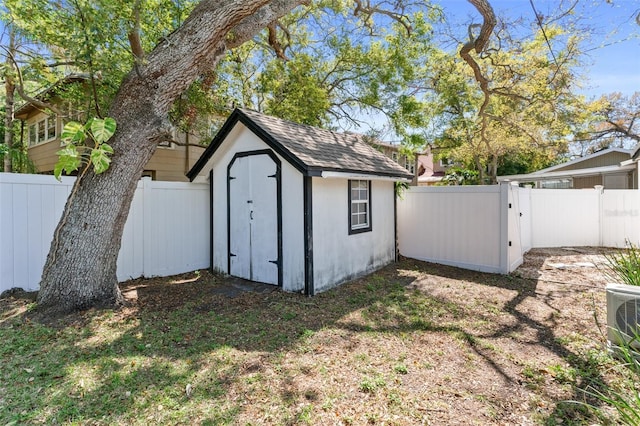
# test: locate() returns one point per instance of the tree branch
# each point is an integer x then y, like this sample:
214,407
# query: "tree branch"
20,87
479,44
368,10
274,43
134,35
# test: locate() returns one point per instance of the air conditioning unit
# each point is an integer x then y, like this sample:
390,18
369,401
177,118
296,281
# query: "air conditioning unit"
623,315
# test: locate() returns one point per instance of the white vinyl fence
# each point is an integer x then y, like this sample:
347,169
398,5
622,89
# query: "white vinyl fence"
484,228
583,217
167,231
464,226
489,228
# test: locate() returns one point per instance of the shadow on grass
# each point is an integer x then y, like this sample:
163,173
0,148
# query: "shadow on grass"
583,370
136,365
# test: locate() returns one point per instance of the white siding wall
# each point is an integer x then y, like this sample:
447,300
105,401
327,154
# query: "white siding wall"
464,226
338,256
241,139
163,234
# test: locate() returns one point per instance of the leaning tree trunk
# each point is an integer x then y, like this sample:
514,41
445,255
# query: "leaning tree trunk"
80,271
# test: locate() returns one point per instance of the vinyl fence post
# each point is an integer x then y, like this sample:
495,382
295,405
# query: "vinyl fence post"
600,191
504,228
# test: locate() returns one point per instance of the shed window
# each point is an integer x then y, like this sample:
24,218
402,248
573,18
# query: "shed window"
359,206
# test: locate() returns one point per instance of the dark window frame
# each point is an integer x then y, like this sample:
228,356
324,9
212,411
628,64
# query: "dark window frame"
359,229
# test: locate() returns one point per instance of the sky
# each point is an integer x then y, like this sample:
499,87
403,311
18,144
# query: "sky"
613,48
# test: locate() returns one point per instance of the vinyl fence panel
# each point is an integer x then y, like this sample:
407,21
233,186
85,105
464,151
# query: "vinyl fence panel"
167,231
131,256
30,209
176,228
564,217
524,199
514,228
463,226
620,217
585,217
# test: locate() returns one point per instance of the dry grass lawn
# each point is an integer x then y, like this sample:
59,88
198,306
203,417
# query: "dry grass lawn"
414,343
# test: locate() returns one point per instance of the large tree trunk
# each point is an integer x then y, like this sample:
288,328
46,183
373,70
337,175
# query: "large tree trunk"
80,271
10,90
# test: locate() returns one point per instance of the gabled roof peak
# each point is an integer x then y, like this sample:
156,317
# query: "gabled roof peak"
310,149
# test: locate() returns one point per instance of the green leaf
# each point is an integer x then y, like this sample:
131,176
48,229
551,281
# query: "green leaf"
73,132
100,158
68,160
102,129
107,148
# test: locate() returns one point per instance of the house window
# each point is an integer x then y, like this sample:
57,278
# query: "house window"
445,162
394,156
359,206
51,127
43,130
149,173
74,113
410,165
33,135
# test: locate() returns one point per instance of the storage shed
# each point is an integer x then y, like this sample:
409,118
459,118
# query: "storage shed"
296,206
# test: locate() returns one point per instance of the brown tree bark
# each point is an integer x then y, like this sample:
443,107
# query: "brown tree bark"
80,271
478,44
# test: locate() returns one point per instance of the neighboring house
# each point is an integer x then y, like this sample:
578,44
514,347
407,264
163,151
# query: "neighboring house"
41,132
297,206
612,168
423,167
431,171
394,152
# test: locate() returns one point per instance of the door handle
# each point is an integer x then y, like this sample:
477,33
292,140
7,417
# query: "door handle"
251,215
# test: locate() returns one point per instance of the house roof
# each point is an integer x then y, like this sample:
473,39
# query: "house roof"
565,174
48,92
585,158
309,149
559,171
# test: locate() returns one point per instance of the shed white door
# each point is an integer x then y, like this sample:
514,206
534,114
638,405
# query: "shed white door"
253,219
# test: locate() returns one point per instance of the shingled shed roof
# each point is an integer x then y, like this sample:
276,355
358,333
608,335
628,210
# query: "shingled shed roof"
310,149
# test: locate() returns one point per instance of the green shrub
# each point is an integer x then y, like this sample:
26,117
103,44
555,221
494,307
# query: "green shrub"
625,397
624,266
